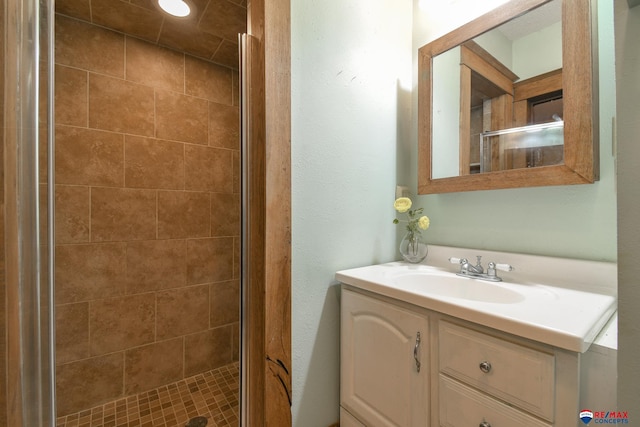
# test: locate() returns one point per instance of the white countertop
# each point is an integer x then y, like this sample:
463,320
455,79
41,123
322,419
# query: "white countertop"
564,317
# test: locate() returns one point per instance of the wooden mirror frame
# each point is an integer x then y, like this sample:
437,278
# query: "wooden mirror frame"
580,91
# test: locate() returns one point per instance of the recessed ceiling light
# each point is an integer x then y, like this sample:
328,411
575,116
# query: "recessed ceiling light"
177,8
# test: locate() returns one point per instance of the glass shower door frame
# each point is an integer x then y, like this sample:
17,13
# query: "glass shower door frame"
29,231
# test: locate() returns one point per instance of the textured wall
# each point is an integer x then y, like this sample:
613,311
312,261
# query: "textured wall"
350,74
147,215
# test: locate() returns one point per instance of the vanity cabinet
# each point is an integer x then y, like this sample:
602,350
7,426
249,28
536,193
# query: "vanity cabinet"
384,363
468,374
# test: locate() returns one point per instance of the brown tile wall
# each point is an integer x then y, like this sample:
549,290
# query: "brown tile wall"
147,215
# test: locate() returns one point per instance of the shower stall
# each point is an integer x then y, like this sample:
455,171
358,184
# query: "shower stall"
122,213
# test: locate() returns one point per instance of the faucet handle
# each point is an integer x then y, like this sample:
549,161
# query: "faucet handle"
504,267
454,260
491,270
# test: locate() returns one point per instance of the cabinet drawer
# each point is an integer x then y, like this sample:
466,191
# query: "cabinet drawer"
516,374
462,406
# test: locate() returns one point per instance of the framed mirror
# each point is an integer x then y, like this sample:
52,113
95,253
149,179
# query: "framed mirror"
509,100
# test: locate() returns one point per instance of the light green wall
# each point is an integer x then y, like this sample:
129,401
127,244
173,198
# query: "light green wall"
446,113
350,81
498,45
566,221
538,53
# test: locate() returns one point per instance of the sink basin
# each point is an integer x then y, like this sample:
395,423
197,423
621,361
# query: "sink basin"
568,317
451,286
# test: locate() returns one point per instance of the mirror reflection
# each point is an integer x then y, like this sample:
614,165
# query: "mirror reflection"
498,98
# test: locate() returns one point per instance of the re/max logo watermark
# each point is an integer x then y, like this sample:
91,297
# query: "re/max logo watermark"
604,417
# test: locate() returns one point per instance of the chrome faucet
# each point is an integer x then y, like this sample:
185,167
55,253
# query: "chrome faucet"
477,271
466,266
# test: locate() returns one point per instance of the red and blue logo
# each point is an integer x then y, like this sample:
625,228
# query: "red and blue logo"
586,416
604,417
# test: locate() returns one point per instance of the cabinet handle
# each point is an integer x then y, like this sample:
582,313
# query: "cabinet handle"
486,368
415,351
484,424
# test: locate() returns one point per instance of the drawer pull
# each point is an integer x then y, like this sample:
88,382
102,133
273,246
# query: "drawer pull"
415,351
486,368
484,424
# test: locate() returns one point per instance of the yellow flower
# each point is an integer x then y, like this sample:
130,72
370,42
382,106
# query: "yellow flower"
402,204
415,222
423,222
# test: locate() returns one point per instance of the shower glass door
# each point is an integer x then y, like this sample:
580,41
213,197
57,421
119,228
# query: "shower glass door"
148,217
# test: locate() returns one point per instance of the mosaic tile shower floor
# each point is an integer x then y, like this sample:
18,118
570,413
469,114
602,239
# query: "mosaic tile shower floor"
213,395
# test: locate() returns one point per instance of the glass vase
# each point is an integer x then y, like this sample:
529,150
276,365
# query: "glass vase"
413,248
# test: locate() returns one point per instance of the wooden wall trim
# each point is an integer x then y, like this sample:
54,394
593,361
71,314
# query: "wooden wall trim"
269,364
278,227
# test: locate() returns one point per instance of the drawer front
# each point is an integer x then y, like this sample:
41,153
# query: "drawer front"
514,373
462,406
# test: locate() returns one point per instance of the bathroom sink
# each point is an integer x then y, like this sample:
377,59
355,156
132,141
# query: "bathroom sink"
559,302
452,286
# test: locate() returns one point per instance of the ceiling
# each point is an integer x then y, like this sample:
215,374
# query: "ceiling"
532,21
210,32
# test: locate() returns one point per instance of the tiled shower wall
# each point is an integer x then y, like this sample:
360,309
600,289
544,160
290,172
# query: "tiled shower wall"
147,215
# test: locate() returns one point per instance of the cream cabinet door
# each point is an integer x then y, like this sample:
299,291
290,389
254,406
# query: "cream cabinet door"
348,420
384,362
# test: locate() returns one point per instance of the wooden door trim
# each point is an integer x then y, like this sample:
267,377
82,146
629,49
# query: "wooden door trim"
269,328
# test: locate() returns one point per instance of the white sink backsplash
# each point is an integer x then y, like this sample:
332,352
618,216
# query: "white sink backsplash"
582,275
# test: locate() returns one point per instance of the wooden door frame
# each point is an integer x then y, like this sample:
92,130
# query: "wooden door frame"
268,361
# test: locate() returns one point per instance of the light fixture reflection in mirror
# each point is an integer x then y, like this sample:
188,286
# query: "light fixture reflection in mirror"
177,8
